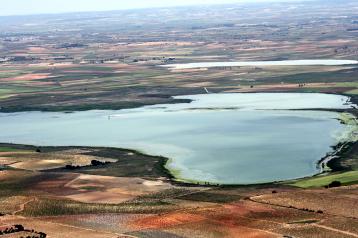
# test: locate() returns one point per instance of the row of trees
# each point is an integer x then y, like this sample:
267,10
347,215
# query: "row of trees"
93,163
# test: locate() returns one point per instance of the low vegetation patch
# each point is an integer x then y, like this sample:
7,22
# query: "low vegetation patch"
57,207
21,231
304,222
347,178
211,197
9,149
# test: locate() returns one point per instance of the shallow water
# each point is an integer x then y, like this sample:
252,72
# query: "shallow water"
323,62
218,138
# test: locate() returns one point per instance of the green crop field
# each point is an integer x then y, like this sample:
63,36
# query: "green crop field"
347,178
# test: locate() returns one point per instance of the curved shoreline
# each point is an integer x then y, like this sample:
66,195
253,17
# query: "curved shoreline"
325,162
173,99
170,176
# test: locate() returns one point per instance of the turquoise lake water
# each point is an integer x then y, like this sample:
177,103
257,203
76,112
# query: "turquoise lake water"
218,138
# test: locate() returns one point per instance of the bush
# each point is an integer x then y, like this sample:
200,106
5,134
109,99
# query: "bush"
70,167
19,227
335,184
98,163
42,235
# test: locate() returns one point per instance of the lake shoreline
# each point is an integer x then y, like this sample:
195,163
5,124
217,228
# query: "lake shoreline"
334,165
170,100
332,160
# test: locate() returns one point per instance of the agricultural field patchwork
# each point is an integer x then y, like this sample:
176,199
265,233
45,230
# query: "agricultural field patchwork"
50,200
114,67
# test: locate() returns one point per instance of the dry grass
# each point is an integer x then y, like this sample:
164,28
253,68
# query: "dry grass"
43,161
339,201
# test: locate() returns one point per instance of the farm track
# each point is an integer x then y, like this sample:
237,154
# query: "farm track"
336,230
212,208
115,235
299,209
316,225
23,205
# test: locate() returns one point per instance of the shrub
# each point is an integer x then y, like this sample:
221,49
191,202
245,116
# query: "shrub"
19,227
335,184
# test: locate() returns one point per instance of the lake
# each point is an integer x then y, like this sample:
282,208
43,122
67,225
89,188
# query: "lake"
217,138
322,62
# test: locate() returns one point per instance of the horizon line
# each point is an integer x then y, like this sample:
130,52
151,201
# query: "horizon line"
155,7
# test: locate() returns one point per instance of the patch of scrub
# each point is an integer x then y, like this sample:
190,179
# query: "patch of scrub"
351,134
